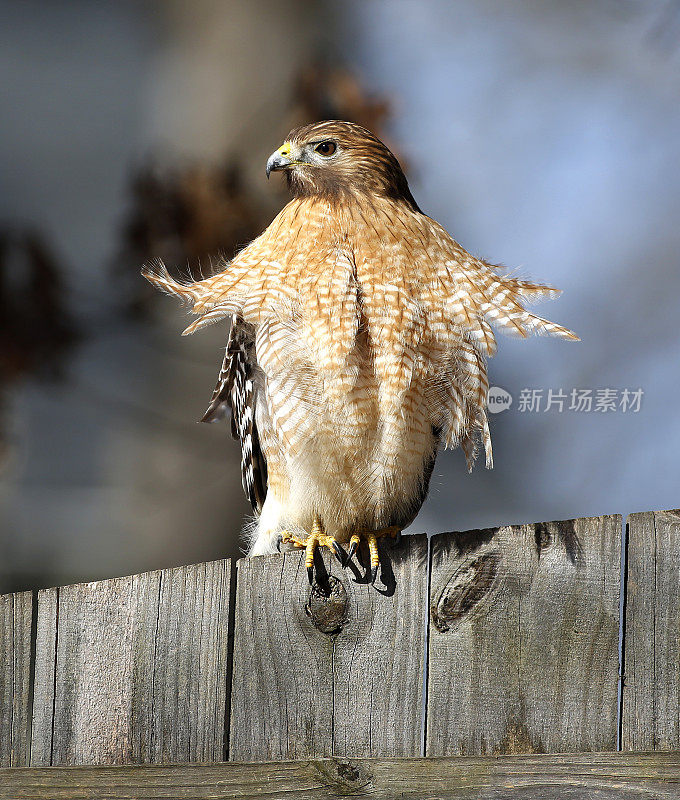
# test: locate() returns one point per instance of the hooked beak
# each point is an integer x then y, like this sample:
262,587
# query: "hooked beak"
280,159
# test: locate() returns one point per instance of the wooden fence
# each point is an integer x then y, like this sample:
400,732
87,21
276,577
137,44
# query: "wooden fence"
481,644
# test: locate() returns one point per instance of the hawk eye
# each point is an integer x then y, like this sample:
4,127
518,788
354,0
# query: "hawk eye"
326,148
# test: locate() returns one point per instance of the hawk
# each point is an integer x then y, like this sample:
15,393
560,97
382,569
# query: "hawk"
359,336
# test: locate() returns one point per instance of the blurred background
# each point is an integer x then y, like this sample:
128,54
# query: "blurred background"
543,135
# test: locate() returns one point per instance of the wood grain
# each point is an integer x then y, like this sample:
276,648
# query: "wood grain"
591,776
15,676
651,690
523,647
345,680
133,670
522,654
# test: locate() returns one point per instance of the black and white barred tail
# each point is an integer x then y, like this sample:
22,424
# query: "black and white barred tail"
234,391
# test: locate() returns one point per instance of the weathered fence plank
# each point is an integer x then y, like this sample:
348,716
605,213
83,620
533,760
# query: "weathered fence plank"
522,654
44,679
605,776
15,669
651,690
523,649
338,676
133,669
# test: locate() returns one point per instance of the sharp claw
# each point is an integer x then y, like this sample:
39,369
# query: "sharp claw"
310,575
339,552
352,550
279,539
374,574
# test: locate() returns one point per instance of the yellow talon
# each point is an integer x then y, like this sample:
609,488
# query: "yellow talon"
353,544
310,547
286,537
371,538
318,538
289,538
373,553
373,549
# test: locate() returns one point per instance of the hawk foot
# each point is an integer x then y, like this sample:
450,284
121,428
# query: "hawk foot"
318,538
371,539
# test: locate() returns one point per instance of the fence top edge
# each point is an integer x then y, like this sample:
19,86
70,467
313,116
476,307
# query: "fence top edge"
152,573
227,561
617,518
636,515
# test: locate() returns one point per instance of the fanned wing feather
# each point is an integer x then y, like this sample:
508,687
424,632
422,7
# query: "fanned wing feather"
322,275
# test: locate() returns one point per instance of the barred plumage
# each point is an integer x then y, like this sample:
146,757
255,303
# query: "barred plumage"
235,391
370,328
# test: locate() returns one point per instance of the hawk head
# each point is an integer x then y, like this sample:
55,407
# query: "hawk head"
333,159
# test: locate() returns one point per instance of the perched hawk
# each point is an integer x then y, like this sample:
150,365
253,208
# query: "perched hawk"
359,337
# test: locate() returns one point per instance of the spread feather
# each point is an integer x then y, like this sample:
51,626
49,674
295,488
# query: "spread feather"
369,328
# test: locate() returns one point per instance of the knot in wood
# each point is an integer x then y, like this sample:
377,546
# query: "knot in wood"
327,605
344,777
463,591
